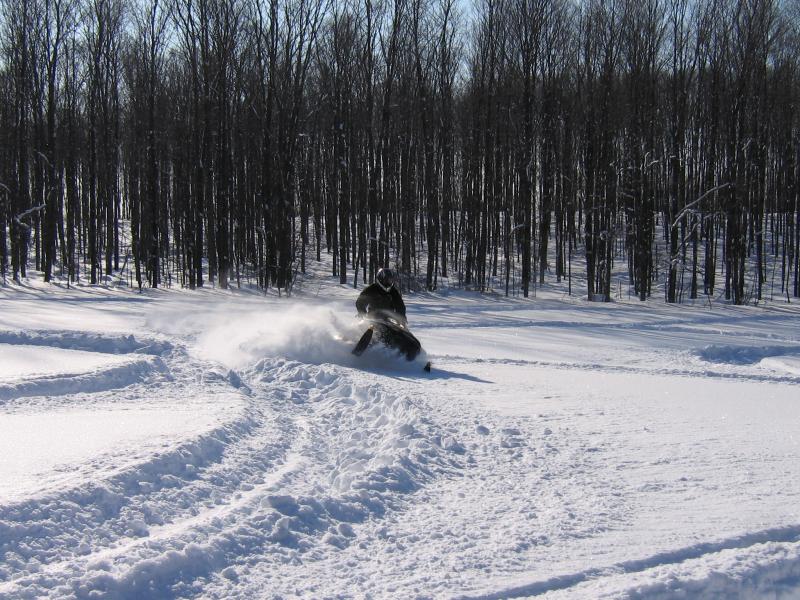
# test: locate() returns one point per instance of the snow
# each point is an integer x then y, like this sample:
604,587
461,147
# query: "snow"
50,446
18,361
225,444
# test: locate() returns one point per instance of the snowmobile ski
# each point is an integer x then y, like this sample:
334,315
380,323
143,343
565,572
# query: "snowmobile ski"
363,342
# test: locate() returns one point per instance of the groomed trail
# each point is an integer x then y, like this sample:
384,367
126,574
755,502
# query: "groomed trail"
217,445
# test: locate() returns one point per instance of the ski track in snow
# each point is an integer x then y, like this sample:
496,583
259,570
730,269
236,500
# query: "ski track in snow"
685,372
316,479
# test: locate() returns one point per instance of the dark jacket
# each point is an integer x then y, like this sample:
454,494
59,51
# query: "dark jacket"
375,298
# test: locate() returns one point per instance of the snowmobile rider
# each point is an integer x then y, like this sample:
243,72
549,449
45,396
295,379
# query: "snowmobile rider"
382,295
382,302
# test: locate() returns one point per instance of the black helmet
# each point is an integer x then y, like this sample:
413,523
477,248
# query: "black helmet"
386,278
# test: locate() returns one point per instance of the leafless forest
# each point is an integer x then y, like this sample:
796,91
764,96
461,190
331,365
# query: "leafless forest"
224,141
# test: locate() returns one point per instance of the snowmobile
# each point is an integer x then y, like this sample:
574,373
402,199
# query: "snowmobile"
391,329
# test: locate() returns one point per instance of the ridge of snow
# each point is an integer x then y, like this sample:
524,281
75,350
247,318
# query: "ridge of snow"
87,341
128,373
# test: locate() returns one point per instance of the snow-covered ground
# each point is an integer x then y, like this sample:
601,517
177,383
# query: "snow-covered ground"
227,445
